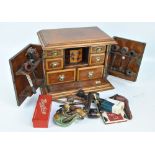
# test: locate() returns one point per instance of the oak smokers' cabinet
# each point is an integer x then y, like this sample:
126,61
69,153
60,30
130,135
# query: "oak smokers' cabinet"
75,58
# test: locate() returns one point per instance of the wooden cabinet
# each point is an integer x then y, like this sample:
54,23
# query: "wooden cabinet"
75,58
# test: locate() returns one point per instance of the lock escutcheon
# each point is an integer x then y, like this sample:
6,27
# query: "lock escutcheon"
61,77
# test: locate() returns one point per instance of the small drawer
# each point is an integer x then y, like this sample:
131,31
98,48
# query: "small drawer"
96,59
53,64
61,76
98,49
53,53
90,73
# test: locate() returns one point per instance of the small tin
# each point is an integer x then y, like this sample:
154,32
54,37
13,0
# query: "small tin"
42,111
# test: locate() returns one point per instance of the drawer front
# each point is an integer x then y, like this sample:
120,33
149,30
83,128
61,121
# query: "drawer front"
53,53
89,73
98,49
96,59
61,76
53,64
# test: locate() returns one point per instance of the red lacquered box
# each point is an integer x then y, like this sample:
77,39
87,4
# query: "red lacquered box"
42,111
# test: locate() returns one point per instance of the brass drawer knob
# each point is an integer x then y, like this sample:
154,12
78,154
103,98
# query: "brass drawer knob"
54,64
98,59
55,53
90,75
61,77
99,49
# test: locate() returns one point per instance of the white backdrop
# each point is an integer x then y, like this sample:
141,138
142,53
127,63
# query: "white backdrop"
14,36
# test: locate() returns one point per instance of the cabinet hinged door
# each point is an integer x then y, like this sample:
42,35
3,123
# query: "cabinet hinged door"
125,58
27,81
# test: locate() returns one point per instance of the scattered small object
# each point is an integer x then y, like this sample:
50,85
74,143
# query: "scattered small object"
113,106
42,111
68,114
93,113
110,118
126,104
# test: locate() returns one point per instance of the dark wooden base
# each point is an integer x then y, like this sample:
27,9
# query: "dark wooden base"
67,89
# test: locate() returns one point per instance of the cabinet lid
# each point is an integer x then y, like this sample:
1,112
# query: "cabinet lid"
67,37
125,58
21,84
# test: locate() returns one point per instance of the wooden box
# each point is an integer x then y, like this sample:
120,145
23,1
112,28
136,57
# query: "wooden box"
75,58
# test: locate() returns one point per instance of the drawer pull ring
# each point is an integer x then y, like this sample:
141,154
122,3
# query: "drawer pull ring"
90,74
54,64
61,77
98,59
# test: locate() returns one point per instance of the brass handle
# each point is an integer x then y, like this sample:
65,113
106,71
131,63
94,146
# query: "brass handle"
90,74
54,64
61,77
54,53
99,49
98,59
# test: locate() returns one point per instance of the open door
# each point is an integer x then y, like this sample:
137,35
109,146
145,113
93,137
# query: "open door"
26,81
125,58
